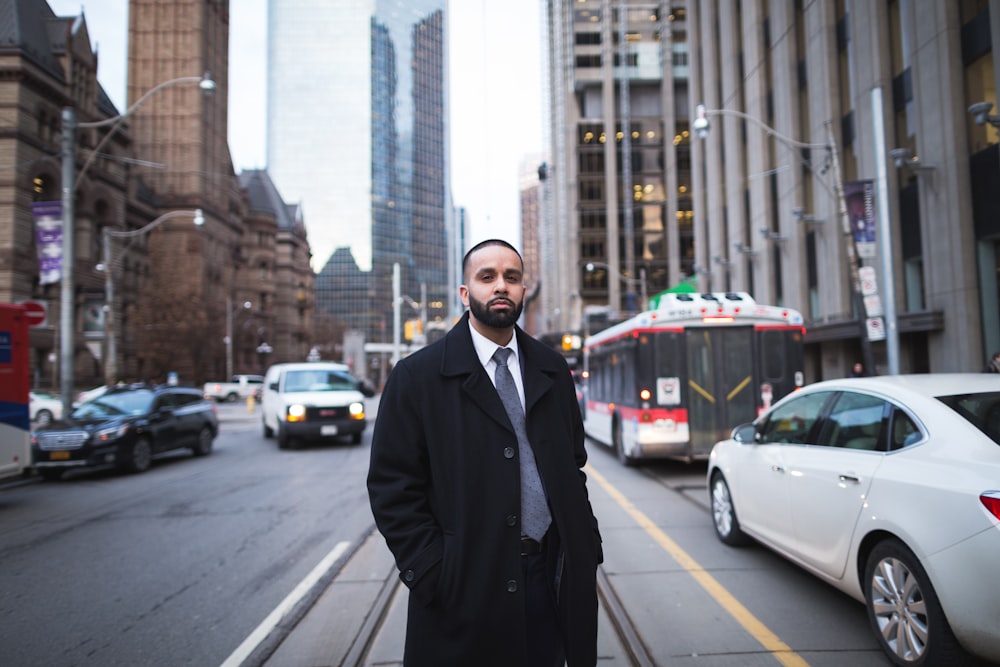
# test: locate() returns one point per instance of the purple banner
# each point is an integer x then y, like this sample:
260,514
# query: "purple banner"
49,239
860,196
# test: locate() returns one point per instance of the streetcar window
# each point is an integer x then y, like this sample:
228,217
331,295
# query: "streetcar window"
772,353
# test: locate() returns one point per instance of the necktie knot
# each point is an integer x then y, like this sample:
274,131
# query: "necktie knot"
502,355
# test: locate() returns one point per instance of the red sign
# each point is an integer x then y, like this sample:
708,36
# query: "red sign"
35,312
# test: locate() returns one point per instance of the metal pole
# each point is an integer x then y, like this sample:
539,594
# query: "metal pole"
67,336
851,251
229,338
111,353
645,293
423,311
628,195
396,316
884,237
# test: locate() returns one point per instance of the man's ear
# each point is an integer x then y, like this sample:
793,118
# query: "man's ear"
463,292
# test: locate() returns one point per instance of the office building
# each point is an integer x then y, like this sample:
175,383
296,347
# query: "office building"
616,194
890,85
786,126
357,135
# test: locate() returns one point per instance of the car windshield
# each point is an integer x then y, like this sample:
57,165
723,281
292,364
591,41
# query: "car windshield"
982,410
136,402
318,380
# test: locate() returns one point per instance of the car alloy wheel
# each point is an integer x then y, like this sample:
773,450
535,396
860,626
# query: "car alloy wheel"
904,611
727,526
204,446
139,456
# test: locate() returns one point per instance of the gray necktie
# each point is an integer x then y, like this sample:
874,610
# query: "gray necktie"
535,517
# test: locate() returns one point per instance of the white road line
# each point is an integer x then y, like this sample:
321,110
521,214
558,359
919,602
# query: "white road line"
268,624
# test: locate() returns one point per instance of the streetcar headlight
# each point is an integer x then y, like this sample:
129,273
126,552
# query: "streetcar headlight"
644,394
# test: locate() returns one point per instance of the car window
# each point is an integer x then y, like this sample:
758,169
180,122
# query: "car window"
117,403
982,410
855,422
904,431
793,421
185,398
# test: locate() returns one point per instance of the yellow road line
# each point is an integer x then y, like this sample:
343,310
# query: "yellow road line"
770,641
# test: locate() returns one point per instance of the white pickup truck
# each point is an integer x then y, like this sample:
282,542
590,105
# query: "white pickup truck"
241,387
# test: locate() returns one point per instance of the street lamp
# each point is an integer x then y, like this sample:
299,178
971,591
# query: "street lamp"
629,280
701,127
230,311
111,360
70,181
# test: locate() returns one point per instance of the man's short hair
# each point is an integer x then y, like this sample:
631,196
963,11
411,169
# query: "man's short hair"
485,244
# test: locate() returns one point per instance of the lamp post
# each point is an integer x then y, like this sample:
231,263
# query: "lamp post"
111,354
701,127
70,181
628,280
230,311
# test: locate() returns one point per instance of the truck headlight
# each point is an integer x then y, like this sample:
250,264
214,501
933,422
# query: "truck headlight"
356,410
296,412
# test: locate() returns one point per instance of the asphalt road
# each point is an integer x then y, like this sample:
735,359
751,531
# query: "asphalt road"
182,564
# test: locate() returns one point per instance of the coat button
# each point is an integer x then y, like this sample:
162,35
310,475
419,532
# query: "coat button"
511,586
511,519
508,452
409,576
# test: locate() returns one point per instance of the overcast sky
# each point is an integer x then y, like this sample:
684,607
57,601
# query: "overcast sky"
494,94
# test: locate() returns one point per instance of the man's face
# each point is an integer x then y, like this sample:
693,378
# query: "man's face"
494,288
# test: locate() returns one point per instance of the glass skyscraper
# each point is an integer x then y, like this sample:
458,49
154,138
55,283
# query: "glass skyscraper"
357,135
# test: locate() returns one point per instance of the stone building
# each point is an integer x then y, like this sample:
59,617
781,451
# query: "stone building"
142,174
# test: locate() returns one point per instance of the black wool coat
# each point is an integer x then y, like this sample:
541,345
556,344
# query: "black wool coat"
444,485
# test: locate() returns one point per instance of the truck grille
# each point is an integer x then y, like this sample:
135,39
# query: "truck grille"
62,440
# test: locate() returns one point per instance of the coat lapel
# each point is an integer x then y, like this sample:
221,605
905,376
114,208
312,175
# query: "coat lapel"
459,358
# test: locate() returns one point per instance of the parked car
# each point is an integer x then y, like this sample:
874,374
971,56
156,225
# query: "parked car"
126,426
240,387
888,488
44,407
312,400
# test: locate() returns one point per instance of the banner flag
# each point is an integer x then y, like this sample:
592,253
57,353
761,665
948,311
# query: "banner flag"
49,239
860,196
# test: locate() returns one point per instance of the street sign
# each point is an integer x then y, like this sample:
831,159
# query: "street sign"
36,313
876,328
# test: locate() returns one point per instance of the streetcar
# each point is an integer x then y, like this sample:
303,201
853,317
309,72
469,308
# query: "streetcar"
669,383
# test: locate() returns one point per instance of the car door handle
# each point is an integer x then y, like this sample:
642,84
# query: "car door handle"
849,479
777,468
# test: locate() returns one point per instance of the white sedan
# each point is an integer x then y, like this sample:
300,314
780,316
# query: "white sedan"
44,408
888,488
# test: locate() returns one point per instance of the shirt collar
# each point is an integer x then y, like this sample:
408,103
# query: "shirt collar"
485,347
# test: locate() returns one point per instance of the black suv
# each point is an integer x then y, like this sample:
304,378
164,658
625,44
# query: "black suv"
126,426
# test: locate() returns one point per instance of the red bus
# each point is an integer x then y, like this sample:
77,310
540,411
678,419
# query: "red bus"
15,445
671,382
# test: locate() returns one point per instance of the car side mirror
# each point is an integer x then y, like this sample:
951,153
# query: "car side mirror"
366,389
273,386
745,434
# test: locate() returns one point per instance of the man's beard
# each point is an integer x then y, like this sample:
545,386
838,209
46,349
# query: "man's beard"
503,319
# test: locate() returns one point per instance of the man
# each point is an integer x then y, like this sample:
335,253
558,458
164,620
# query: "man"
445,485
993,365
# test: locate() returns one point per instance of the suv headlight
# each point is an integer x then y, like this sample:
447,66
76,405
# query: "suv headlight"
296,412
356,410
110,433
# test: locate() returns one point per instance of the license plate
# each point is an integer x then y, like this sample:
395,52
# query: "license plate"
58,456
328,430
